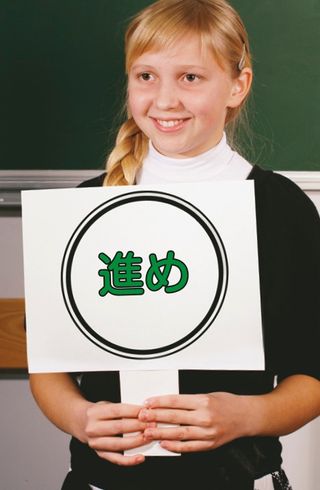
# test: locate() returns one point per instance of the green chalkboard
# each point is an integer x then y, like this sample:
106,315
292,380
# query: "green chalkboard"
62,82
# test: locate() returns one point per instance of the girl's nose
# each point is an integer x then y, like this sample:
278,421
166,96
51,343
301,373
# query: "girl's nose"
167,97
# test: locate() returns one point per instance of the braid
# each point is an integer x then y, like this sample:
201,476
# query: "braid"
126,158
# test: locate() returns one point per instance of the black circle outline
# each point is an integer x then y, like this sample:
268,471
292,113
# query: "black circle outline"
82,228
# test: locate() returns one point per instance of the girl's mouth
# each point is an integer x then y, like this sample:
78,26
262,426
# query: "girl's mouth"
169,125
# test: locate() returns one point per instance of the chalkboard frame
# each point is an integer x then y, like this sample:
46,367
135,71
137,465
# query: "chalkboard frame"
12,182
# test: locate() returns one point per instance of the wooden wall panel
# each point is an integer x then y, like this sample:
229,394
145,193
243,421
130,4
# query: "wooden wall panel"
12,334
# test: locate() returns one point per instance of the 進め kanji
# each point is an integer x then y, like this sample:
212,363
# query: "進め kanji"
122,275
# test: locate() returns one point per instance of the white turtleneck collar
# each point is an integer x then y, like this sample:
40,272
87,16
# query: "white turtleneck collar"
218,163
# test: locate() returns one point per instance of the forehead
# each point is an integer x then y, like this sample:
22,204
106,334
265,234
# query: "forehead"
187,50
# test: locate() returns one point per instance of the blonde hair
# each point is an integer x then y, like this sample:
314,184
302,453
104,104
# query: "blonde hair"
159,26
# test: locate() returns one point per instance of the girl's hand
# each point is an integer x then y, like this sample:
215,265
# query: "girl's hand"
203,422
106,423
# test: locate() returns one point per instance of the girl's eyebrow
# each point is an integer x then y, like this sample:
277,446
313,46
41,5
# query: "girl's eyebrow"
142,67
192,67
180,67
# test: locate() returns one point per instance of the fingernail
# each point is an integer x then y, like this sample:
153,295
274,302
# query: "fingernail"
148,434
148,402
144,414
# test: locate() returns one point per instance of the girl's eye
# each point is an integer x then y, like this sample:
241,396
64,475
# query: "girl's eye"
191,77
145,76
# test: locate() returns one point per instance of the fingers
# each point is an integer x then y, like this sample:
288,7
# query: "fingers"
197,410
188,446
106,410
112,419
187,402
167,416
191,420
110,448
114,427
180,433
120,459
116,444
106,422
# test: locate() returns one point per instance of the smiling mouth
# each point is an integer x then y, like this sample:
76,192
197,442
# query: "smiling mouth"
168,125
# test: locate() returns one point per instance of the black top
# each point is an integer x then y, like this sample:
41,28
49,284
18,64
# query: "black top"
288,247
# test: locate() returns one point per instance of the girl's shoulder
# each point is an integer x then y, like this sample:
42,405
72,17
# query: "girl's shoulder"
280,194
94,182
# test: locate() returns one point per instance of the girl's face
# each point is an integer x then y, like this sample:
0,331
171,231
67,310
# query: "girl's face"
179,98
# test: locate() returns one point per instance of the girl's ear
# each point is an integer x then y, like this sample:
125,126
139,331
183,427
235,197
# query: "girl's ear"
240,87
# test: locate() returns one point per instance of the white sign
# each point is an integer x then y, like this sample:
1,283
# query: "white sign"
137,386
142,278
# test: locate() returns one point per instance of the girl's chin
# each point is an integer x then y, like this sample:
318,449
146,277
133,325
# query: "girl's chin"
175,152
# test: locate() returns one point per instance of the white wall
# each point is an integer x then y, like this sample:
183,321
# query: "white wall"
34,454
11,269
301,457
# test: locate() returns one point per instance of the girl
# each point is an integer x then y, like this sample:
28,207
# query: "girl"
189,76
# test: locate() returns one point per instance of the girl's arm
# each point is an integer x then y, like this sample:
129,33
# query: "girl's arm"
96,424
208,421
292,404
59,398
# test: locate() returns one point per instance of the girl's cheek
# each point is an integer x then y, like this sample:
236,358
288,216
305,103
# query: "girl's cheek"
138,96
